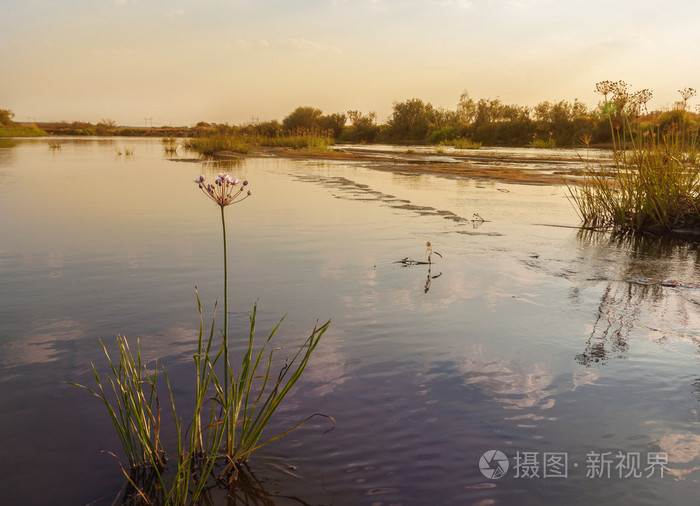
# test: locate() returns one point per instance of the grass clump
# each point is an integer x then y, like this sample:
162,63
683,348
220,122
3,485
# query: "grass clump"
217,143
170,145
232,403
653,184
549,143
238,142
20,130
462,143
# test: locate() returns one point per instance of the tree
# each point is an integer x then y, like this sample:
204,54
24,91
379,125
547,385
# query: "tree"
363,127
305,118
466,109
333,123
411,120
6,116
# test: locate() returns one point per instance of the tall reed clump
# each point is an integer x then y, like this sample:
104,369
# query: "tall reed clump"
170,145
216,143
232,405
241,143
653,184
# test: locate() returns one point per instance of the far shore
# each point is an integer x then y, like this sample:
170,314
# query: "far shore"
474,165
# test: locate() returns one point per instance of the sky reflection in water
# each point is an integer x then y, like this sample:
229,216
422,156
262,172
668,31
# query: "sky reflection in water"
533,338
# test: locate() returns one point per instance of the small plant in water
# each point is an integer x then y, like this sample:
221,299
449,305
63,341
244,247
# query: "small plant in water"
170,145
429,251
229,413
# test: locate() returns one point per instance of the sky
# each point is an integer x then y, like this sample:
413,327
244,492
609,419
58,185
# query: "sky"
178,62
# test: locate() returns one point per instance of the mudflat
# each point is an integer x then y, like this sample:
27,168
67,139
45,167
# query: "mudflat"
474,165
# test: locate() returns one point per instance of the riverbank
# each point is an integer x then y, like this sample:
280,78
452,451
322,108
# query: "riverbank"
527,166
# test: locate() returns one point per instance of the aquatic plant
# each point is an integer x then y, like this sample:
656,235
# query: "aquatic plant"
170,145
216,143
55,145
135,410
237,142
244,395
429,251
229,413
653,184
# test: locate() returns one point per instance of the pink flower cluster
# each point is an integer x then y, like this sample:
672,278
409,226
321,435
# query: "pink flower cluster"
225,190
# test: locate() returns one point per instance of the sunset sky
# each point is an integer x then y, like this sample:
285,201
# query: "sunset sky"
183,61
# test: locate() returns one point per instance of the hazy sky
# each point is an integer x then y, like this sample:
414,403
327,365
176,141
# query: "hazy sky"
184,61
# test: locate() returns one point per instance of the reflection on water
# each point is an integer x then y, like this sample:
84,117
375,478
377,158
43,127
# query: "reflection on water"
249,489
508,342
650,287
216,165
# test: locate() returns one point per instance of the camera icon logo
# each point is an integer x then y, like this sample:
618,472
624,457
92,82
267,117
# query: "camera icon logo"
494,464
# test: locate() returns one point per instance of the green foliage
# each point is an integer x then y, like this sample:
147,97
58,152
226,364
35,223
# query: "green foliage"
411,120
543,143
443,135
6,116
563,122
462,143
217,143
653,185
9,128
363,127
333,123
232,405
302,118
19,130
241,143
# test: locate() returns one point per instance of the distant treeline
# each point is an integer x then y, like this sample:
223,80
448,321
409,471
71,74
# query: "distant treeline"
486,121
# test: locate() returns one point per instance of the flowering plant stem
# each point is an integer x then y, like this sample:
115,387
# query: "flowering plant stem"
229,443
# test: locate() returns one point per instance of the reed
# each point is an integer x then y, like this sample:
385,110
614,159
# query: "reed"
170,145
135,408
231,408
652,185
242,143
462,143
217,143
55,145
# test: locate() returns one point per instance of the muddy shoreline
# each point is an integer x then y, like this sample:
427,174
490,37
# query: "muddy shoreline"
486,166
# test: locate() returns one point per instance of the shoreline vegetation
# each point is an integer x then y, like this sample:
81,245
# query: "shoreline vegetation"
651,184
470,125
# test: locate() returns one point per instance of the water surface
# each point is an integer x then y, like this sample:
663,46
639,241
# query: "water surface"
527,336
